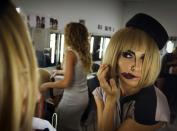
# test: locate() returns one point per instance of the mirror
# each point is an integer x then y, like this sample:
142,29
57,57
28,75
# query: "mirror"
48,45
98,46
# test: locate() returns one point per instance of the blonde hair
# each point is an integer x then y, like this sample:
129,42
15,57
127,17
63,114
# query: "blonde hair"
133,38
18,73
76,37
44,76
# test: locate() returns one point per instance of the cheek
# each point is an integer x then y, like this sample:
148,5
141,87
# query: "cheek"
124,66
121,67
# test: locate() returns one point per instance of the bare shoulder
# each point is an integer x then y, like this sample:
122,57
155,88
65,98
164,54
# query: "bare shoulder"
71,56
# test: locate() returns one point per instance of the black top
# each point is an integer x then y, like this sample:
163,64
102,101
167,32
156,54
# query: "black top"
143,104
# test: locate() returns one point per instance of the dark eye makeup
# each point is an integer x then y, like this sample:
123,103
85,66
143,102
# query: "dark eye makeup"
131,54
128,54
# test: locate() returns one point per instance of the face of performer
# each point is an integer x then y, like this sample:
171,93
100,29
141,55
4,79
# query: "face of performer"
130,66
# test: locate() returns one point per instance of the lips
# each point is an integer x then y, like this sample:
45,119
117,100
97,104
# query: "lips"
129,75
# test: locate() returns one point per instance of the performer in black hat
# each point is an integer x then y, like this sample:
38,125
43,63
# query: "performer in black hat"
127,99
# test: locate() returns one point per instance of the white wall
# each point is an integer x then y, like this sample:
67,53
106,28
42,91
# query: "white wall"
94,12
105,12
163,11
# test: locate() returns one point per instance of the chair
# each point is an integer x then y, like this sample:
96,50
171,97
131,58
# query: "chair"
95,67
93,83
40,58
45,109
88,119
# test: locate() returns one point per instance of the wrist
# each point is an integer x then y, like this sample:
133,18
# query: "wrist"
111,100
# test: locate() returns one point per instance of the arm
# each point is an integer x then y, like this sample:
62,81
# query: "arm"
57,72
132,125
108,115
60,72
100,107
106,111
105,114
145,116
105,120
71,59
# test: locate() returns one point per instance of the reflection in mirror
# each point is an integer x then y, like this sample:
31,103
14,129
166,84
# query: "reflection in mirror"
62,48
98,46
91,44
169,46
49,46
101,48
106,42
52,47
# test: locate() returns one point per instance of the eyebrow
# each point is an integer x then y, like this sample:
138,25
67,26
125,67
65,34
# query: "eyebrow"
130,51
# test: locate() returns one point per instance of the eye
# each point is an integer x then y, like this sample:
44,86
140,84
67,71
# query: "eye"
127,54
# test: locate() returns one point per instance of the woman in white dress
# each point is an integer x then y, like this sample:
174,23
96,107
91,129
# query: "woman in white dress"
76,67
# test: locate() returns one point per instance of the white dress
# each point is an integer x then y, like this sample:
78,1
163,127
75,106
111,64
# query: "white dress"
74,100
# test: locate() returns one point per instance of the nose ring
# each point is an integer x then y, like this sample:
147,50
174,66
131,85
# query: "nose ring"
133,68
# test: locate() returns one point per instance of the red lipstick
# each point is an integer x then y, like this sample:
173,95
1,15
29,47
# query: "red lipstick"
128,75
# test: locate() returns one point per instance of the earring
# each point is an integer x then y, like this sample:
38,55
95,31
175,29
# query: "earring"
133,68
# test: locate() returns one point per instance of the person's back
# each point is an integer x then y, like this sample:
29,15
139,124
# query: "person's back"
75,97
79,83
77,65
74,100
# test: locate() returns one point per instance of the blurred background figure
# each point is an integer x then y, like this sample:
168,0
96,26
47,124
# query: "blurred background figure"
167,81
18,72
76,66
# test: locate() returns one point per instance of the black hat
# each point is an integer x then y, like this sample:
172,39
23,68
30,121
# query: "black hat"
3,5
151,27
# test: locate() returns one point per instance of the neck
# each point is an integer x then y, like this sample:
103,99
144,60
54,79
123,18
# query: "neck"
127,90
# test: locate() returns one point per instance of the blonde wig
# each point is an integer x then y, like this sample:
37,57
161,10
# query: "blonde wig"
130,38
18,72
76,37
